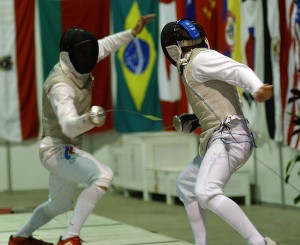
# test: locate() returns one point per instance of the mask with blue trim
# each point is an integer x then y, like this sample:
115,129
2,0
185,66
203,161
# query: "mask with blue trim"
179,36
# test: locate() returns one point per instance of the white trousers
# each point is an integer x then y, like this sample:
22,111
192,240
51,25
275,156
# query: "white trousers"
201,184
69,166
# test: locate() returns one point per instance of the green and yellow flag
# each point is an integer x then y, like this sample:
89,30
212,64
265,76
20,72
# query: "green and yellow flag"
136,69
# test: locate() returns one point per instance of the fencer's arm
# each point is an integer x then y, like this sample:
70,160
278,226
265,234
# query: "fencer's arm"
62,97
210,64
113,42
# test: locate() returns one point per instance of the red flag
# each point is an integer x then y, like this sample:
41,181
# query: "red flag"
19,113
172,96
288,71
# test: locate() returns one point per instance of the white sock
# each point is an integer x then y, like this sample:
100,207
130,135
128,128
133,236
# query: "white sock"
196,216
85,205
233,215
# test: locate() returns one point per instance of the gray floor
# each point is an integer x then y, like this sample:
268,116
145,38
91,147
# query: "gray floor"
281,224
97,231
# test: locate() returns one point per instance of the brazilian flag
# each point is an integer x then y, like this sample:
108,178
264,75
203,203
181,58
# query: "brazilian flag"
137,105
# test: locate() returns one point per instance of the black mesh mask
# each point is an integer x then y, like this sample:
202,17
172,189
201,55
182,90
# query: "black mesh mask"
167,38
82,47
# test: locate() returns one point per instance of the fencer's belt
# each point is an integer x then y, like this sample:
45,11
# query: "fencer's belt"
228,119
230,122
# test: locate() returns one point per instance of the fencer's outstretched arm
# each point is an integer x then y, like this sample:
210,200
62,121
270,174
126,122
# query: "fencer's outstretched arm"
113,42
62,96
211,64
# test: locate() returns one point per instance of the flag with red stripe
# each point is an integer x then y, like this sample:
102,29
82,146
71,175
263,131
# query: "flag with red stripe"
172,96
288,71
18,101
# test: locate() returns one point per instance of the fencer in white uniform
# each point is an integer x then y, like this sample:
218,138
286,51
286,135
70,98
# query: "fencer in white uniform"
67,114
226,142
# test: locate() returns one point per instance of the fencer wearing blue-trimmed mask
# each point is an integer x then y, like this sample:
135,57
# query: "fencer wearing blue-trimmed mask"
226,142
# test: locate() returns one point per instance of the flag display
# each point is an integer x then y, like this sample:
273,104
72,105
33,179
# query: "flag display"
289,76
148,91
136,68
18,95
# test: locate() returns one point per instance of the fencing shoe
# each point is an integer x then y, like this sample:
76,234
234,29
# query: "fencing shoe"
70,241
26,241
269,241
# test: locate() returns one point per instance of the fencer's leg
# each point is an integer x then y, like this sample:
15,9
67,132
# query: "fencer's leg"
87,169
38,218
215,171
60,200
85,205
232,214
196,215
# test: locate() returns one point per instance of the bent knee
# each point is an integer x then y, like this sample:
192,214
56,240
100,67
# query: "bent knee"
185,189
205,194
179,184
105,178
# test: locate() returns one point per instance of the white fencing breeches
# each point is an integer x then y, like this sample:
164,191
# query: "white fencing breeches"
203,182
68,167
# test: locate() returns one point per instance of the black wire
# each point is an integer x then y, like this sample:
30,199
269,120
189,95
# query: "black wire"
225,126
278,175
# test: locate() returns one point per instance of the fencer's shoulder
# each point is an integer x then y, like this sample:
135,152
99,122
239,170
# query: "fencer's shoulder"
202,55
207,51
55,76
211,55
55,71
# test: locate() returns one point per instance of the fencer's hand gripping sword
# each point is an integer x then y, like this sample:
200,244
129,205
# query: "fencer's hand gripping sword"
97,115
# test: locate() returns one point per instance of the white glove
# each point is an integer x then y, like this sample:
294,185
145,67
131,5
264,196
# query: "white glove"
97,115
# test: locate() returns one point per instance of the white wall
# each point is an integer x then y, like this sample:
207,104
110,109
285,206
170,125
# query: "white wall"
270,170
3,168
27,172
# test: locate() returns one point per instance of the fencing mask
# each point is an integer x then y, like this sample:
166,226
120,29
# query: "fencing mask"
180,35
82,47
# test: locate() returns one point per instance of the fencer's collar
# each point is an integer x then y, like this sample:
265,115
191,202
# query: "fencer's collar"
67,66
183,61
